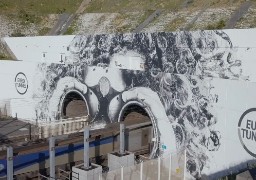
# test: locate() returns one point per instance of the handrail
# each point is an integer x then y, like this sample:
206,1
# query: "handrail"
73,177
61,127
64,174
45,177
61,121
42,176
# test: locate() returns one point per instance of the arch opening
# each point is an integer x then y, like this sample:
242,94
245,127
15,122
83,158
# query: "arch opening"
135,113
73,105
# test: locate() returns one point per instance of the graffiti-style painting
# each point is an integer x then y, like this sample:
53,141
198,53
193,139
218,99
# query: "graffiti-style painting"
171,82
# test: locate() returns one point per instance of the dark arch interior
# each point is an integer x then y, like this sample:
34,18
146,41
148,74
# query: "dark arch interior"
74,106
134,114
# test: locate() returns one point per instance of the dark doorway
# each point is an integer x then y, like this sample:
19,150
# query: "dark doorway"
135,114
74,106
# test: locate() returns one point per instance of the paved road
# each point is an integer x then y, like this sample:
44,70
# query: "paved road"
238,14
58,26
65,20
147,21
204,8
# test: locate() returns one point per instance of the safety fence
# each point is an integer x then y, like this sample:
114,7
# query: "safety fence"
62,127
15,129
163,168
167,167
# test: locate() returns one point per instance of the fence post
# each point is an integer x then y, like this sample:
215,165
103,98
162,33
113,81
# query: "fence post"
159,168
122,173
5,110
185,163
86,147
52,157
30,132
141,171
122,143
9,163
170,167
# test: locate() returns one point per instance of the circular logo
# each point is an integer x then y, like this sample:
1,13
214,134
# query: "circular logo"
247,131
21,83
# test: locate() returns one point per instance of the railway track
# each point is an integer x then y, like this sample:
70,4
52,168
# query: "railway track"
102,142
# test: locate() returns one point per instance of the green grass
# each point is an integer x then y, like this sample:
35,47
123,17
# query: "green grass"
39,6
145,15
143,5
43,31
27,18
126,22
71,29
4,57
131,5
175,24
108,6
219,25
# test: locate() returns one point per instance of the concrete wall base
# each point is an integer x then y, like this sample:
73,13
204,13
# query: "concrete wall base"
93,173
116,160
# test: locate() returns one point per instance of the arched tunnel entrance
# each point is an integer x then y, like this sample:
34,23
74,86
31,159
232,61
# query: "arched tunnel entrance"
74,105
134,114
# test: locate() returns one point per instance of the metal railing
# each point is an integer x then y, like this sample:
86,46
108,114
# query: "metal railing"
43,177
168,167
62,127
74,175
64,175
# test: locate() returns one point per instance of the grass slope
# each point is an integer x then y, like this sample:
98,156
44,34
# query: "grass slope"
131,5
39,6
143,5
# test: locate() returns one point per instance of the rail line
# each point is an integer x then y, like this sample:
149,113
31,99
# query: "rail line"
34,157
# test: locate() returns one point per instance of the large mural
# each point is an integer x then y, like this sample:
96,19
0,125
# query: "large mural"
179,78
171,86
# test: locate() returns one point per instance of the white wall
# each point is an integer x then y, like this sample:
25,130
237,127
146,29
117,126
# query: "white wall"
35,48
22,104
234,98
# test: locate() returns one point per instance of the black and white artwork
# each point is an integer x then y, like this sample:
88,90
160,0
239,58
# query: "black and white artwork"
172,85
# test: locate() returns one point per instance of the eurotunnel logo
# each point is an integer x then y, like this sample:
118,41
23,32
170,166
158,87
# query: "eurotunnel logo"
21,83
247,131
